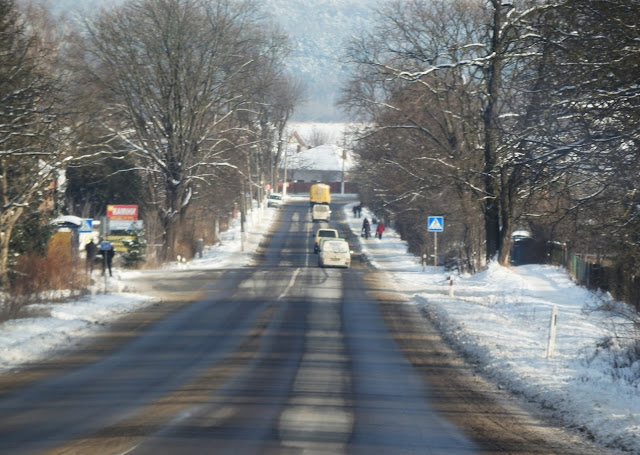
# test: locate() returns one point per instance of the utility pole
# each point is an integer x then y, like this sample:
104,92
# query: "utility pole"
344,158
284,178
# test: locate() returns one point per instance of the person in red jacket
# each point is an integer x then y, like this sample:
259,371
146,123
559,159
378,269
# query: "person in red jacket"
380,230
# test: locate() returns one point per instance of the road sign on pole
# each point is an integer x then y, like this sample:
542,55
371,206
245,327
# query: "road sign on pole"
86,226
435,224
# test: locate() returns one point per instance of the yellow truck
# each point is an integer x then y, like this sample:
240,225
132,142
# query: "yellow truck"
319,193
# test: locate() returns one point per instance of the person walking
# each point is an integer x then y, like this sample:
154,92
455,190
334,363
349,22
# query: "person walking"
380,230
366,228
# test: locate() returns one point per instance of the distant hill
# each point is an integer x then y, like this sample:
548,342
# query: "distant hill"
82,7
319,30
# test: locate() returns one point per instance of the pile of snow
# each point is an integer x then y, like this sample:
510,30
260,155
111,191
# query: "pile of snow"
32,339
28,340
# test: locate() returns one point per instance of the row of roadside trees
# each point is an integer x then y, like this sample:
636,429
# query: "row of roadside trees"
503,116
176,105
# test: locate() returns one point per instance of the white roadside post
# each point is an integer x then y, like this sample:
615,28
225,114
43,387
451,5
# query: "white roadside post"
551,344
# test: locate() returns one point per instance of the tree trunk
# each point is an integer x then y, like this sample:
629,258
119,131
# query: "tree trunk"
7,222
492,188
4,259
170,217
506,216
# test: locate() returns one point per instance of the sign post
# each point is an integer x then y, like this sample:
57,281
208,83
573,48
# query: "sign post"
435,224
553,323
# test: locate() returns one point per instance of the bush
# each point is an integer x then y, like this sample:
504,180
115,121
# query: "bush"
36,277
619,353
136,250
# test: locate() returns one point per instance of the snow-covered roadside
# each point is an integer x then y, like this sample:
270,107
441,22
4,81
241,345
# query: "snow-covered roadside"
61,325
500,319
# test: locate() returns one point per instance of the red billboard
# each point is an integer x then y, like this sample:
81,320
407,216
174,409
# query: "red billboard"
122,212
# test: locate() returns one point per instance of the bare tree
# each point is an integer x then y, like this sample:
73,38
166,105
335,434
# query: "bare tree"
288,95
482,68
275,96
32,143
414,83
177,74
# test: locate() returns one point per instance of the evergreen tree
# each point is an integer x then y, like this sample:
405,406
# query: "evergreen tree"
136,250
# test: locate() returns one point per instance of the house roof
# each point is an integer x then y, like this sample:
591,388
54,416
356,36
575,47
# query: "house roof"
67,221
322,158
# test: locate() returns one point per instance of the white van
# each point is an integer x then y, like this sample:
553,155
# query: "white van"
334,253
274,200
320,212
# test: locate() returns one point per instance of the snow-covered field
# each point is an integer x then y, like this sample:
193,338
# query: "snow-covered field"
500,318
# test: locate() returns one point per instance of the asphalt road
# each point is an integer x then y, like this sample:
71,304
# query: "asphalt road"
282,357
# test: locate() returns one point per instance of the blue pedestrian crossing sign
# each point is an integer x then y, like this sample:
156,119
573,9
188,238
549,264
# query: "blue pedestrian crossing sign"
435,224
86,226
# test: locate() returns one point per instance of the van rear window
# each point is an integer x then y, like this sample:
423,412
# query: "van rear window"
336,247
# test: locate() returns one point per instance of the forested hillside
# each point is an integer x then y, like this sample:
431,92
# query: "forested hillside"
318,31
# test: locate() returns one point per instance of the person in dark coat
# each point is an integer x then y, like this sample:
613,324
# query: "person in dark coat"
110,254
107,251
91,250
366,228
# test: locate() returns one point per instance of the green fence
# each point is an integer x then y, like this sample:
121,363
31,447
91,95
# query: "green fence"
589,271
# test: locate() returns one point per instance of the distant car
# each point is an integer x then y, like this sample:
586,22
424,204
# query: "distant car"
274,200
322,233
320,212
334,253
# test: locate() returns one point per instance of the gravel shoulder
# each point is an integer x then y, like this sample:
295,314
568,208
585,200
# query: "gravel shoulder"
169,293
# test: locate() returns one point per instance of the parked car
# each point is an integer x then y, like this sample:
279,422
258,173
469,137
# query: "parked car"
320,213
274,200
322,233
334,253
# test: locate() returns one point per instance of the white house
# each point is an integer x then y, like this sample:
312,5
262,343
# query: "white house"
326,163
